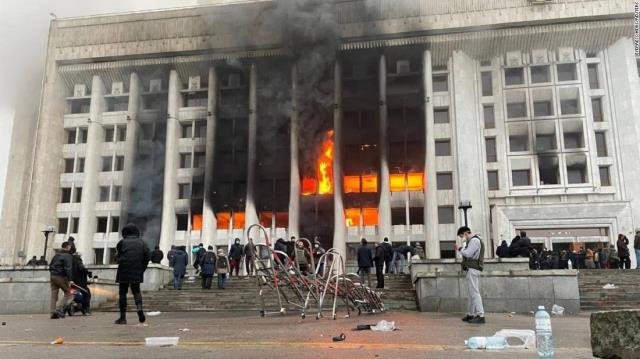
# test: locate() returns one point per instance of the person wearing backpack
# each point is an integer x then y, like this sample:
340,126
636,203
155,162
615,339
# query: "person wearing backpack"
207,267
222,268
472,263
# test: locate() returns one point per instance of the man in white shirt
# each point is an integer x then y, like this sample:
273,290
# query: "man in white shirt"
472,263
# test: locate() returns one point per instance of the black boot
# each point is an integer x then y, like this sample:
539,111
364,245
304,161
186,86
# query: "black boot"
141,317
123,317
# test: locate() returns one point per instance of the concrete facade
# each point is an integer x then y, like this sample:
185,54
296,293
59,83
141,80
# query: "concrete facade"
534,125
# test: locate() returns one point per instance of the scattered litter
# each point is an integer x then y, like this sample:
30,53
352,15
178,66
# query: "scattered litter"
491,343
4,323
58,340
153,314
609,286
142,325
363,327
161,341
527,337
557,310
384,326
184,330
339,338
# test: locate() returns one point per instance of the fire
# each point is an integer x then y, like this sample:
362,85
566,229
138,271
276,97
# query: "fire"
323,183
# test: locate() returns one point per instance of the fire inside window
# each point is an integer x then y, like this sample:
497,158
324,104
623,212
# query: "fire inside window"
224,220
414,181
281,219
323,182
353,218
361,184
196,222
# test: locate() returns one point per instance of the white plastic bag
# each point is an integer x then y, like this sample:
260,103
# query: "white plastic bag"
527,337
161,341
609,286
153,314
384,326
557,310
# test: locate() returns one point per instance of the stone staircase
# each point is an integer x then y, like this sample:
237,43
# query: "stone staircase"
626,295
241,294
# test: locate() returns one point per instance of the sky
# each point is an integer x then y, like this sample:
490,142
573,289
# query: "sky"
23,40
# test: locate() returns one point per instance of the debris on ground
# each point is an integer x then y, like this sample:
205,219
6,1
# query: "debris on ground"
161,341
58,340
557,310
609,286
525,336
384,326
154,313
490,343
340,338
184,330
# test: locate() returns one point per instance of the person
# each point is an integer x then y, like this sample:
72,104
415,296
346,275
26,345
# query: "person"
171,252
249,256
72,245
419,251
398,261
503,250
588,259
563,260
79,275
302,257
379,261
472,263
281,246
179,262
535,259
526,242
42,261
636,247
222,268
614,260
199,253
514,247
596,258
33,261
132,256
388,254
60,279
157,255
582,254
235,257
318,251
603,257
365,261
207,267
623,252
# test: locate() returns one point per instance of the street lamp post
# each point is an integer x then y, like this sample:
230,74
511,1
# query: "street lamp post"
48,229
465,206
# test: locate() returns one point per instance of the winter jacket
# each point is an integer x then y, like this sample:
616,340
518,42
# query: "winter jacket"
207,265
61,264
365,259
623,247
157,256
179,262
250,250
636,241
133,256
380,255
79,272
222,265
388,251
236,251
503,250
199,254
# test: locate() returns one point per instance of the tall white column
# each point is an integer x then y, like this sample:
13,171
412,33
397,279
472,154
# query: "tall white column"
209,223
432,246
384,208
471,173
95,136
339,225
294,184
171,159
251,215
130,146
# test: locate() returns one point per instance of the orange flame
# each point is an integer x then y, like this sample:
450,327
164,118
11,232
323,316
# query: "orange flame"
324,170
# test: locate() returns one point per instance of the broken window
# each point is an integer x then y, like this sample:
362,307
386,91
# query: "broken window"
573,134
519,137
566,72
182,221
514,76
546,136
548,167
540,74
576,168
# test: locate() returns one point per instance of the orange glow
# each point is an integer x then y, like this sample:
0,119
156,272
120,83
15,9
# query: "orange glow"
370,183
282,219
238,220
396,182
196,222
370,216
265,219
323,183
352,217
415,181
223,218
351,184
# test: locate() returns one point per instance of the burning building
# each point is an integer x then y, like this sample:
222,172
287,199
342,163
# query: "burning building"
337,119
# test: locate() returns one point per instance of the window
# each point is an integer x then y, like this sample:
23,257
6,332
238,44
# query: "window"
542,102
65,195
601,144
596,109
548,167
540,74
185,160
487,83
68,165
77,195
98,256
398,216
576,168
115,193
63,225
187,130
593,76
75,225
182,221
115,223
119,163
490,147
519,137
446,215
566,72
492,177
516,104
443,148
416,215
521,177
440,83
104,194
199,160
101,225
441,115
444,180
184,190
122,133
605,176
71,136
514,76
200,129
489,117
546,136
82,137
573,135
197,190
107,164
569,101
80,165
108,134
447,249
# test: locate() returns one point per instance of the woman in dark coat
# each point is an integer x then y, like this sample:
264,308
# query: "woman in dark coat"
179,263
133,256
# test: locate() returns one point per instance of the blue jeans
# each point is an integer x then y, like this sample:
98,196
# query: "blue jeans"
177,280
222,278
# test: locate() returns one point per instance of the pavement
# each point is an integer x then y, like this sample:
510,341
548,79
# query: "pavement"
247,335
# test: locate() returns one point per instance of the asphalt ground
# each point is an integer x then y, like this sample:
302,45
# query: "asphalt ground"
247,335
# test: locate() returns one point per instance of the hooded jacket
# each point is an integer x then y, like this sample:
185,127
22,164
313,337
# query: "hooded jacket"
133,256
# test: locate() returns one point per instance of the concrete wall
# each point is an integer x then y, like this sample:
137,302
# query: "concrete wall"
514,291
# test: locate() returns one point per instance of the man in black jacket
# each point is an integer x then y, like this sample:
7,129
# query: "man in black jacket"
235,257
60,270
388,254
365,262
132,255
379,259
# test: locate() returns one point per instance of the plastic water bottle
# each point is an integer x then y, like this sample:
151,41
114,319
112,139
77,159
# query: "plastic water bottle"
544,336
491,343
